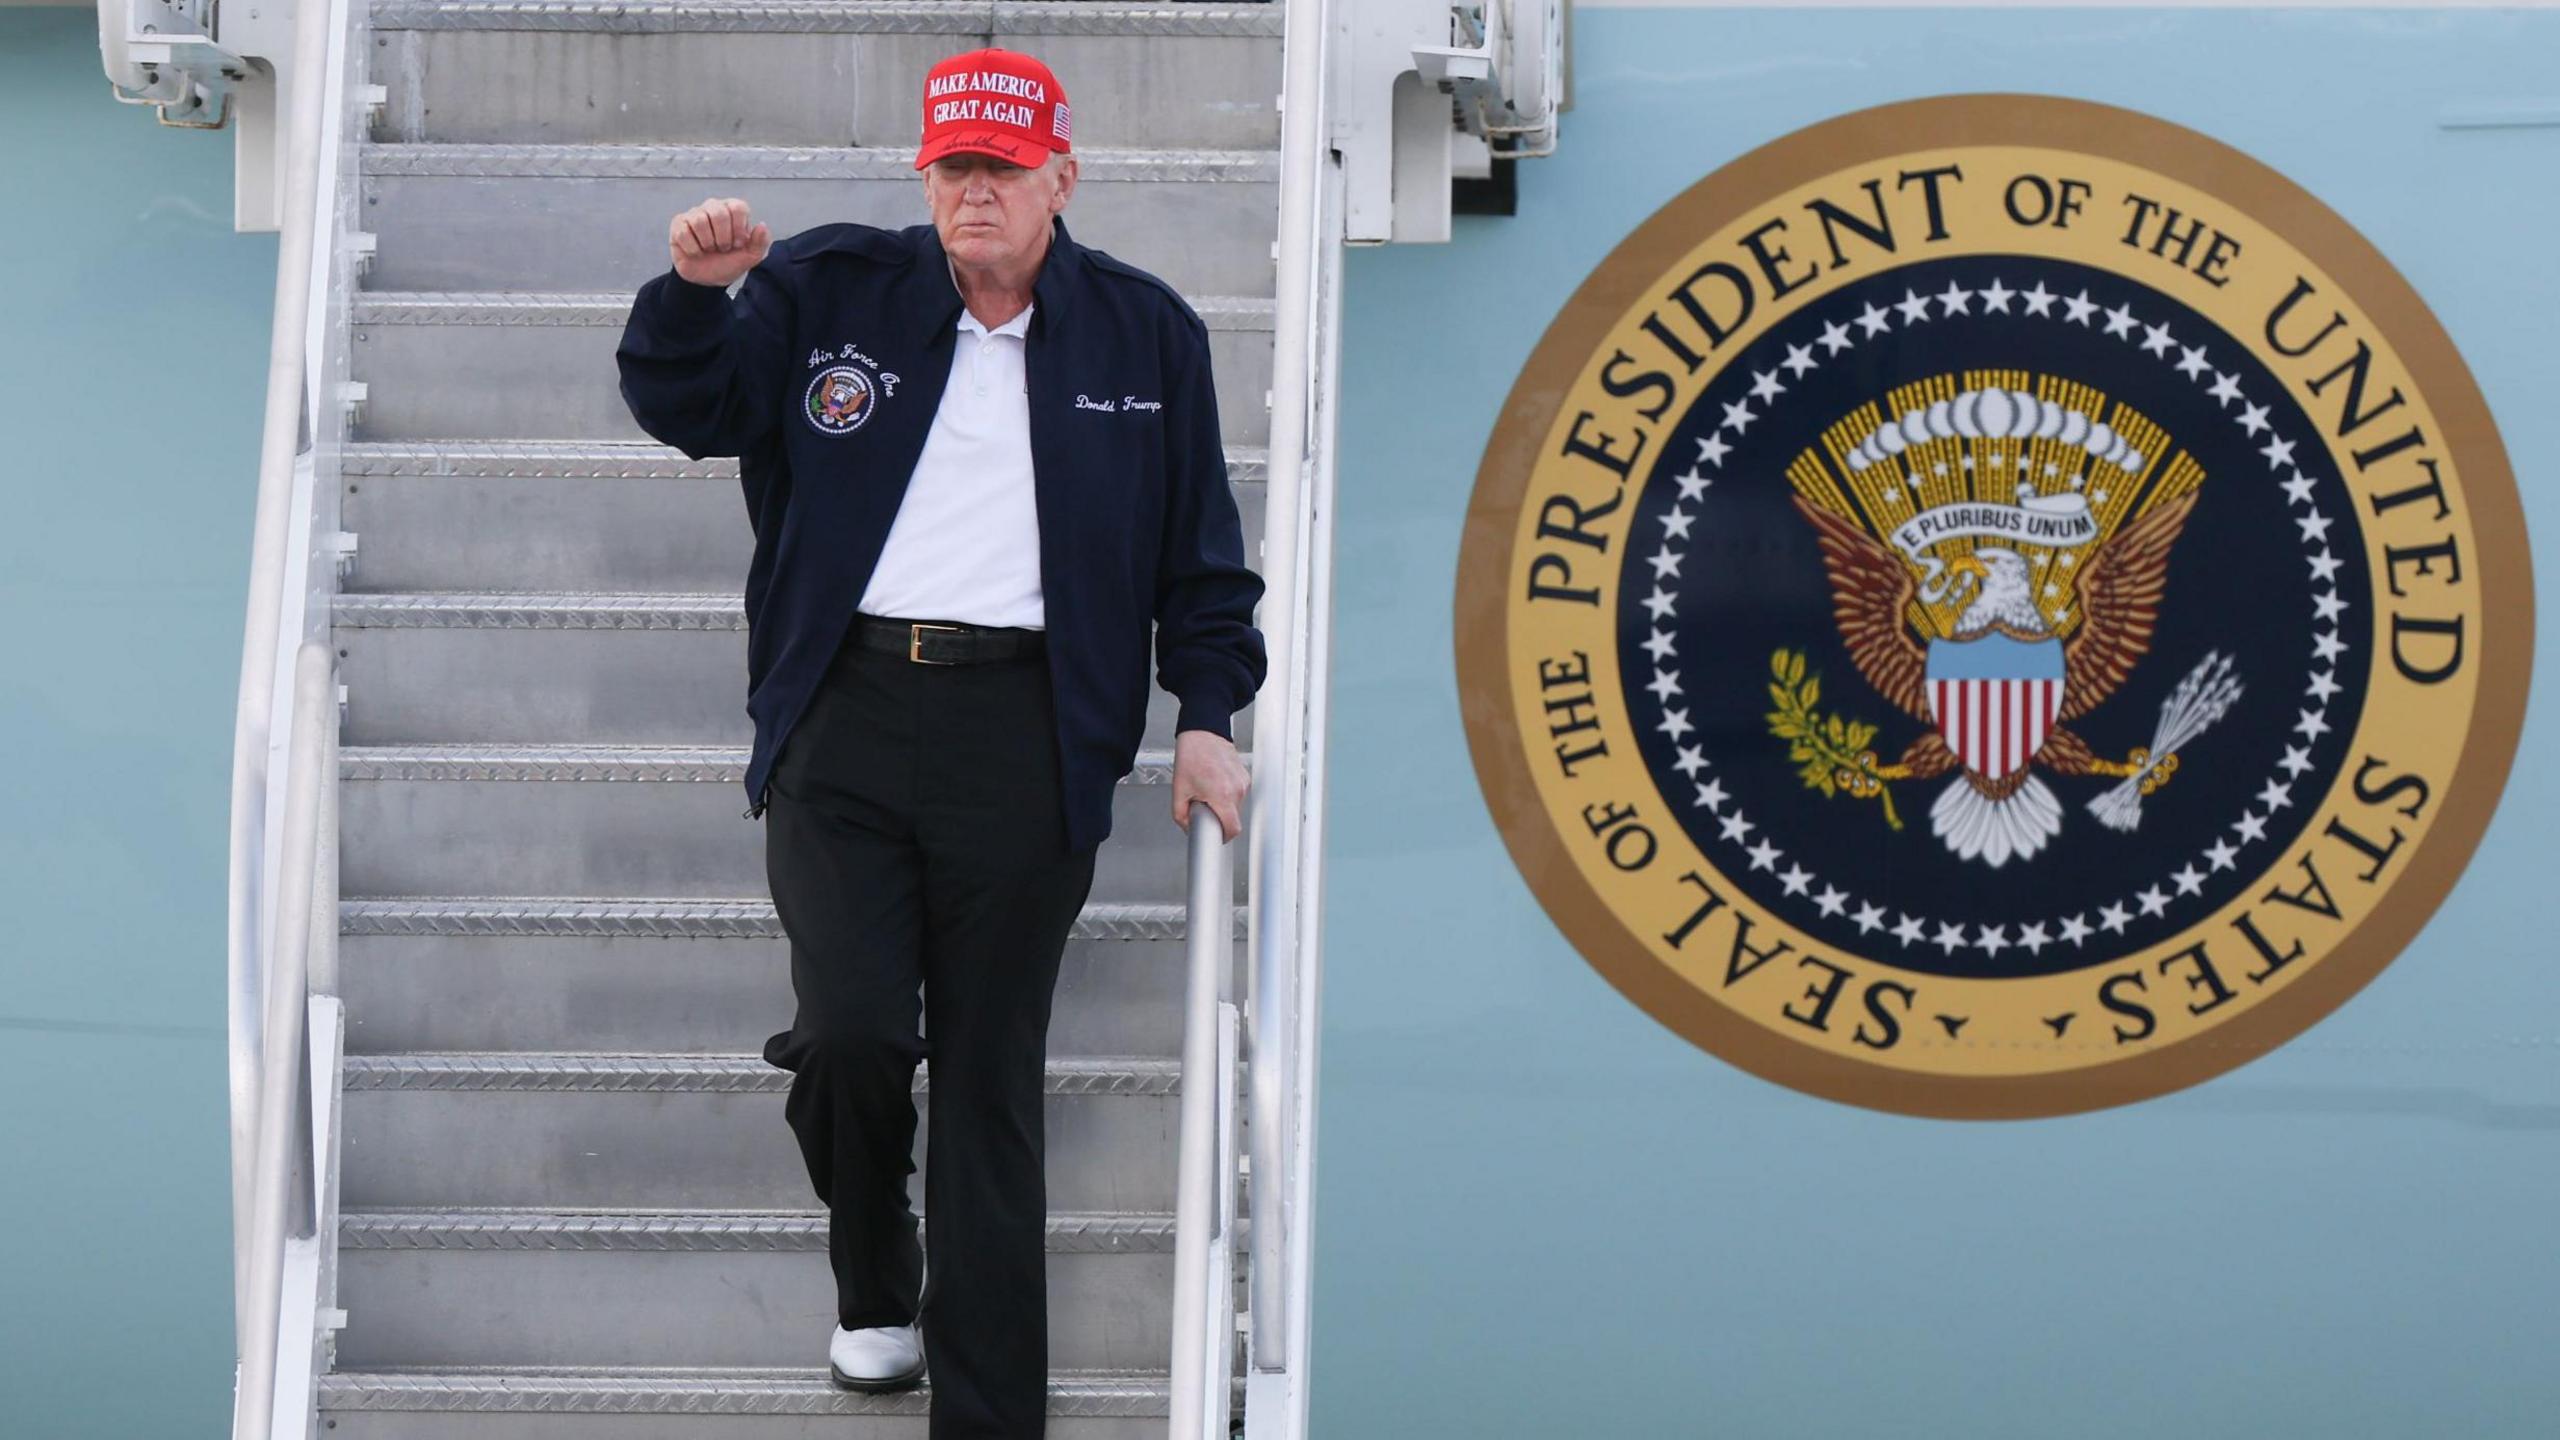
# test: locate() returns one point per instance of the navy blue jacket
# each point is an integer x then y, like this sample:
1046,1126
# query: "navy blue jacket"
822,376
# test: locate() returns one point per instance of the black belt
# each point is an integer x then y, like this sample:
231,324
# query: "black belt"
938,642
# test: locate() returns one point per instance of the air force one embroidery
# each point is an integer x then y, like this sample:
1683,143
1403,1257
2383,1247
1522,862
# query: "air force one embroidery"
841,396
1993,606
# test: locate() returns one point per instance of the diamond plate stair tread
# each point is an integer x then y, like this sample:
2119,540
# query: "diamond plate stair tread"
653,1073
704,1392
610,308
1257,18
677,764
711,918
689,1231
505,363
639,1403
623,526
594,216
485,161
576,1286
657,1130
828,72
623,973
618,820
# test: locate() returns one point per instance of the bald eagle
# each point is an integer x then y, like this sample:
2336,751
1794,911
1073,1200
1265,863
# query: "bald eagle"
2004,599
1995,819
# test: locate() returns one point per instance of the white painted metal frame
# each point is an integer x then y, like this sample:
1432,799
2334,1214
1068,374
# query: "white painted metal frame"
192,60
1403,68
285,1027
255,734
1283,1161
162,53
280,1212
1284,921
1512,81
1277,1379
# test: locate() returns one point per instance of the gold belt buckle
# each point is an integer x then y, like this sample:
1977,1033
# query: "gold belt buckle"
915,641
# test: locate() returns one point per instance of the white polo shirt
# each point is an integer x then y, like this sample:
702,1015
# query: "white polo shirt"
965,544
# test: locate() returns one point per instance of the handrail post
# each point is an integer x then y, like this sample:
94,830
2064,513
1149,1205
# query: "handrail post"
280,1138
1209,931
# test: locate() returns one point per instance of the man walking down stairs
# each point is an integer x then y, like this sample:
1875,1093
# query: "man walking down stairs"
573,1206
938,830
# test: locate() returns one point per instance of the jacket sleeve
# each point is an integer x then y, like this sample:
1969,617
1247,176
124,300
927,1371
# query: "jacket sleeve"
702,372
1208,653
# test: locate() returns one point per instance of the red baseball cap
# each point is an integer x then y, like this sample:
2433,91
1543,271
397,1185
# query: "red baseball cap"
993,102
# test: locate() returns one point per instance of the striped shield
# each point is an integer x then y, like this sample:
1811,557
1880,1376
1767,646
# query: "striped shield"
1995,698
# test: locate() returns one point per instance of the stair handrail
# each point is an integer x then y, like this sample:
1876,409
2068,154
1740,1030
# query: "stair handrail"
267,944
278,1207
1287,750
1209,939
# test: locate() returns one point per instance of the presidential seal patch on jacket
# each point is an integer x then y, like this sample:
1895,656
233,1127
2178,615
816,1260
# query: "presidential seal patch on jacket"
1993,606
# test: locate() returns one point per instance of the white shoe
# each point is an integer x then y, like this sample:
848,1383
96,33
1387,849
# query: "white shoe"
876,1358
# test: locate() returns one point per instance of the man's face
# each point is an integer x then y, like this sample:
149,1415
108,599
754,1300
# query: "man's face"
993,212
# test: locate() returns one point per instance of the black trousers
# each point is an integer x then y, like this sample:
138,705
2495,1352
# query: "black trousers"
915,837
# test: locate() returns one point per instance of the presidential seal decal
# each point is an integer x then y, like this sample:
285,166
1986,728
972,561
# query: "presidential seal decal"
1993,606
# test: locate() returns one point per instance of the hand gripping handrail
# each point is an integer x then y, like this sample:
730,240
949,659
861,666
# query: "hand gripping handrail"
286,1055
1209,936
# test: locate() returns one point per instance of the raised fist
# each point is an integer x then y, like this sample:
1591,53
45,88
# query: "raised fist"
716,241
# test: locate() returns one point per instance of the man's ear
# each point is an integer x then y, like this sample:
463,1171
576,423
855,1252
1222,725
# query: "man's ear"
1066,183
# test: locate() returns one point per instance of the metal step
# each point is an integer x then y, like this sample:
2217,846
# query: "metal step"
702,976
635,1288
615,1403
630,669
558,217
811,72
575,517
588,1131
621,820
539,365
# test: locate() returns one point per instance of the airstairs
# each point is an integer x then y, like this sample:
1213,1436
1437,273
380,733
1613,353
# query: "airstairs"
507,1159
569,1203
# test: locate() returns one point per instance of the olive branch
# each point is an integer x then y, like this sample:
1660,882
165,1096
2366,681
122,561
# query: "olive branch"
1834,752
